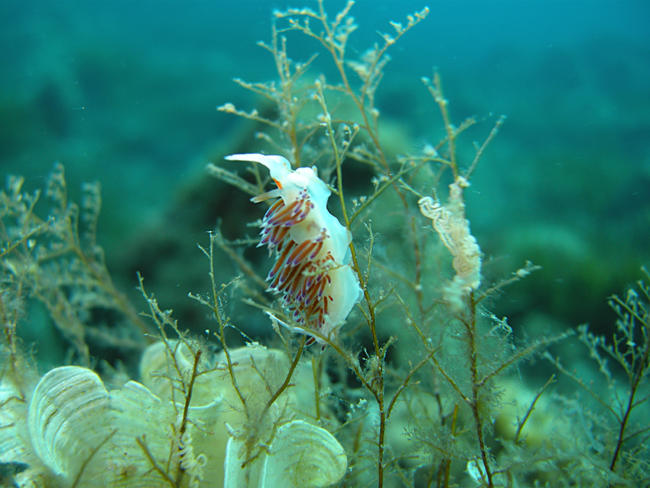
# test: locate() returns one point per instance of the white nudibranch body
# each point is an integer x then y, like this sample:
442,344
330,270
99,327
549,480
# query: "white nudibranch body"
311,248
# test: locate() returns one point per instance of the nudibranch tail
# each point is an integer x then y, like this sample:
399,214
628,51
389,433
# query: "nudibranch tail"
311,272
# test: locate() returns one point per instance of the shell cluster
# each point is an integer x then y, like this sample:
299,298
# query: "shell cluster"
75,432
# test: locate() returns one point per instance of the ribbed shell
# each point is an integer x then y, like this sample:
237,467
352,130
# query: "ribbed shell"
303,455
68,418
87,436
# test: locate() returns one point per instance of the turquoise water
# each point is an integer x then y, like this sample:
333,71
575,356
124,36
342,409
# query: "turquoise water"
127,95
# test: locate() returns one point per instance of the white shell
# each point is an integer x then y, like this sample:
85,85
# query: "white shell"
234,475
68,418
76,433
136,413
89,437
259,371
303,455
13,445
159,374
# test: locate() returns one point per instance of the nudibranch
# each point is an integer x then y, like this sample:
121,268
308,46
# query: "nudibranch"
311,272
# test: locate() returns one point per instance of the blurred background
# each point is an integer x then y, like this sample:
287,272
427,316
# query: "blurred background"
125,93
